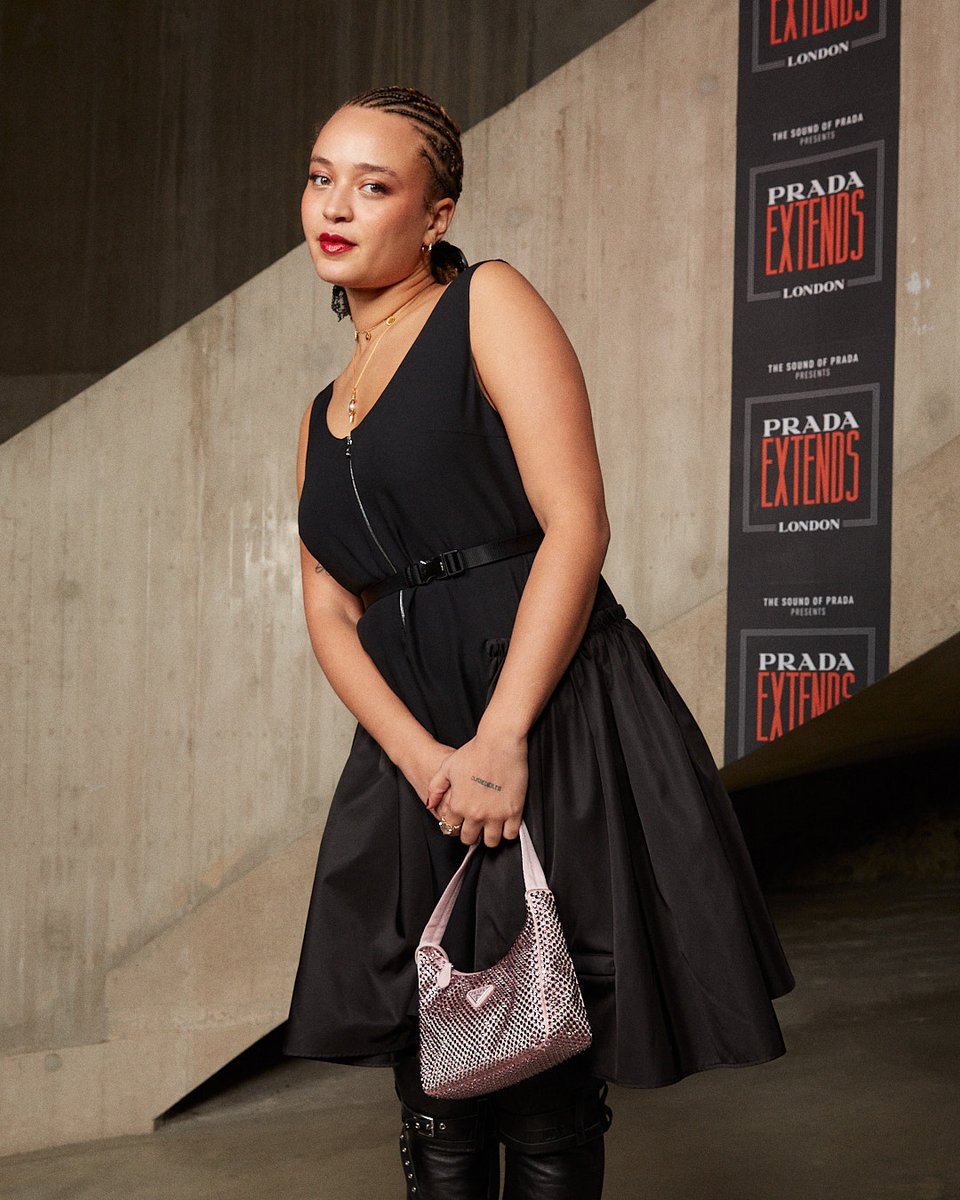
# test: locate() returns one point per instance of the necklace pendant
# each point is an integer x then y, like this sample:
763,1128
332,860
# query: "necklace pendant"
352,406
366,334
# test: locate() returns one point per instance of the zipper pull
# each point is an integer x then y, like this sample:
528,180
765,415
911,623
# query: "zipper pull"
349,444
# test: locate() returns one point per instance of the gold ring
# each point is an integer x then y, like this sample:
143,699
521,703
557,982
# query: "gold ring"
449,830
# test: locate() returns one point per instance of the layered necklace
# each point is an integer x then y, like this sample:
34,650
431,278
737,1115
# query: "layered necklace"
366,334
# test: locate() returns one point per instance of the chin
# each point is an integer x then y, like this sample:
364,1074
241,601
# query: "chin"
332,272
326,276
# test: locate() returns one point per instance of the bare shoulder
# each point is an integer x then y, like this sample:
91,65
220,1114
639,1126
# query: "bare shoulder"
496,284
506,310
520,350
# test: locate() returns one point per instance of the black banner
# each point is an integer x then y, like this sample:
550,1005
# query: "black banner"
808,617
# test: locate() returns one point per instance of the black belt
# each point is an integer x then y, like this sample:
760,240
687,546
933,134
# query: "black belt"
450,562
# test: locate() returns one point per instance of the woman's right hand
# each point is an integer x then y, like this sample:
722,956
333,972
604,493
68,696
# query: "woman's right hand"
421,764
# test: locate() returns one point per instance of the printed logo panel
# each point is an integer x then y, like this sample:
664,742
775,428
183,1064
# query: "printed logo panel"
812,387
790,676
815,224
797,33
811,460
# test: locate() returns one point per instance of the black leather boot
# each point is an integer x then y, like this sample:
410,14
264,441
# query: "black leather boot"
448,1148
556,1154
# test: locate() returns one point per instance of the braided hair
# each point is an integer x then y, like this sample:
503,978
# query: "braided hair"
440,146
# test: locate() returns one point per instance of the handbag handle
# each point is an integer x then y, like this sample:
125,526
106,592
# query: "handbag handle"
533,877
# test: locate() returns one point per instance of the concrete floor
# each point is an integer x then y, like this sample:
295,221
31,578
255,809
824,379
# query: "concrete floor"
862,1107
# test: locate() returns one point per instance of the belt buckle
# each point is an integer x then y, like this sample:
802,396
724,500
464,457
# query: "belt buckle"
450,562
423,1125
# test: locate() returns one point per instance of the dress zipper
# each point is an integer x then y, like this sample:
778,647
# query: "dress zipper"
366,520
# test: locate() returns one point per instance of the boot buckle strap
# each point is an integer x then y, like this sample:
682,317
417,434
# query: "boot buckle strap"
421,1123
455,1133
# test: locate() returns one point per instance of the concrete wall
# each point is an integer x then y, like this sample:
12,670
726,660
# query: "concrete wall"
166,731
169,747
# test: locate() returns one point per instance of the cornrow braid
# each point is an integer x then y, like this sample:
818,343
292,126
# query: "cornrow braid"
438,130
440,137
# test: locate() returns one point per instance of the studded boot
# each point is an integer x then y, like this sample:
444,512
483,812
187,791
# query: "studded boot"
448,1148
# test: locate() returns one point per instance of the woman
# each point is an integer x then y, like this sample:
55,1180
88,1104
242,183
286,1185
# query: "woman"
453,530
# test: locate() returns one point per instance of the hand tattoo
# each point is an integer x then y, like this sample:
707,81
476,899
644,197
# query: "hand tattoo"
486,783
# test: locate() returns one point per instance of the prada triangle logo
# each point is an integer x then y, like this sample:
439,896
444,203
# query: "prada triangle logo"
480,995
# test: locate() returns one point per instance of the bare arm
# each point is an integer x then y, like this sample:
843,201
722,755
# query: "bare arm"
332,614
531,375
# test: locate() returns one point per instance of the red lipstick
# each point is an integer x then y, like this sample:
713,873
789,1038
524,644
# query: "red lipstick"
333,243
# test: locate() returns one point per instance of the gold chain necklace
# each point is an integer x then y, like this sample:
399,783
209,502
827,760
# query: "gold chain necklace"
355,379
366,333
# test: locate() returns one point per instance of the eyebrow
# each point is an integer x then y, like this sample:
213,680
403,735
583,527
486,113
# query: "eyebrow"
375,168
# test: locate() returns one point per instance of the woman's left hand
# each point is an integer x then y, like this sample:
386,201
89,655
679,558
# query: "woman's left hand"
484,786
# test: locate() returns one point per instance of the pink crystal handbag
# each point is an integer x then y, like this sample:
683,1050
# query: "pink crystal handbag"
483,1030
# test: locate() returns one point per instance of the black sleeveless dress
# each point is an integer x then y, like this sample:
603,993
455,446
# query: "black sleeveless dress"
673,944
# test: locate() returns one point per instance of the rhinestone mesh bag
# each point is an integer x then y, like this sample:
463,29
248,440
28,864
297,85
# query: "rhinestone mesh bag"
483,1030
